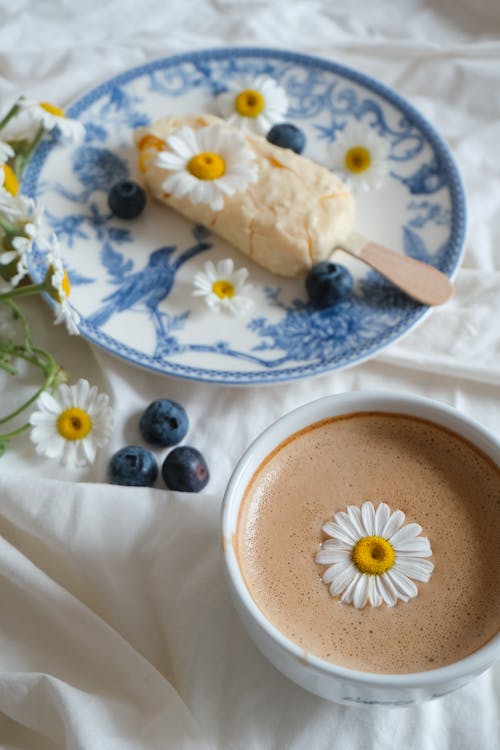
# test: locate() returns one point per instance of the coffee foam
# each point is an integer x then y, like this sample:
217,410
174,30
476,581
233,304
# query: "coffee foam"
437,479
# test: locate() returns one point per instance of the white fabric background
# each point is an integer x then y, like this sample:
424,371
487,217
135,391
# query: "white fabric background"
115,625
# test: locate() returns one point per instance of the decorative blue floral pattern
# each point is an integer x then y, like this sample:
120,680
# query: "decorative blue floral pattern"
135,272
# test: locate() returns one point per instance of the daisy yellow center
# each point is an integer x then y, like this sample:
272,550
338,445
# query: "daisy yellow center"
74,424
52,109
373,555
249,103
358,159
65,285
10,181
207,166
223,289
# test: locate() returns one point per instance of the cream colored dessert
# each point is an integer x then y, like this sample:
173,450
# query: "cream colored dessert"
292,217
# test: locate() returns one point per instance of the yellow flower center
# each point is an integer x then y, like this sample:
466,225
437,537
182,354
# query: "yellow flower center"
52,109
10,182
249,103
358,159
373,555
74,424
65,285
207,166
223,289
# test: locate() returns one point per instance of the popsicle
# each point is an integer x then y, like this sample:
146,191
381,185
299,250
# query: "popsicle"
294,215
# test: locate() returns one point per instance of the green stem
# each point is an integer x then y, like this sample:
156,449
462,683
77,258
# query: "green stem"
49,368
9,435
21,160
10,114
23,291
19,315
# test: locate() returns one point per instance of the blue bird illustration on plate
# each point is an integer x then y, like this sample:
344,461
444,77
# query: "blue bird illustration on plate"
151,285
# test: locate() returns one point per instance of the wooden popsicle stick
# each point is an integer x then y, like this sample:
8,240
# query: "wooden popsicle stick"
420,280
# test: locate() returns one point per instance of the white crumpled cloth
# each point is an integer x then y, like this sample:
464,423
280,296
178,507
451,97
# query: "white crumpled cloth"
116,630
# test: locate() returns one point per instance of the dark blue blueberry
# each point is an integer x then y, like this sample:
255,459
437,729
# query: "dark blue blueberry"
185,469
127,199
164,423
133,466
287,135
328,283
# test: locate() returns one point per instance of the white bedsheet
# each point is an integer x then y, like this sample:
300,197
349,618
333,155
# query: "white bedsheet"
115,626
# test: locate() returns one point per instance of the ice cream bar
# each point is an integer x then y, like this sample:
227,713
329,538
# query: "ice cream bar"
293,216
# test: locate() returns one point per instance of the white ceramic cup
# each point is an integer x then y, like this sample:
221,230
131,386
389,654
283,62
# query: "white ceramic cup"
339,684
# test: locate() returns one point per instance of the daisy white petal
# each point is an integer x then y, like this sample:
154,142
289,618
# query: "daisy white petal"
402,584
405,534
347,595
329,556
354,514
382,515
72,424
347,523
415,568
50,405
335,570
387,590
374,595
395,521
342,580
368,518
360,593
337,544
339,532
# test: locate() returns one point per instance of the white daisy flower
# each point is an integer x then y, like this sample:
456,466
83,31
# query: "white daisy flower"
207,164
223,288
60,291
52,117
372,557
254,105
29,220
72,424
361,157
6,152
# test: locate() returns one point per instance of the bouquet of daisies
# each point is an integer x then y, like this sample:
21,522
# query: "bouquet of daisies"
21,224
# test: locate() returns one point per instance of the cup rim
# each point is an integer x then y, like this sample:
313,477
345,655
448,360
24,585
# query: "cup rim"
349,403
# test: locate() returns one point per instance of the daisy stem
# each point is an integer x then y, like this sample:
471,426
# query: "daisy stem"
49,367
17,314
23,291
22,158
10,114
9,435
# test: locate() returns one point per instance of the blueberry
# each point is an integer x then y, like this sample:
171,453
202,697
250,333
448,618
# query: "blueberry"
127,199
164,423
287,135
328,283
185,469
133,466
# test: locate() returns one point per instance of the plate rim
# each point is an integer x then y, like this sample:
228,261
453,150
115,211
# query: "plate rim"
455,185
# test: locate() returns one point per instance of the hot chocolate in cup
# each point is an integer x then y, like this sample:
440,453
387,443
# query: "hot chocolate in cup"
360,536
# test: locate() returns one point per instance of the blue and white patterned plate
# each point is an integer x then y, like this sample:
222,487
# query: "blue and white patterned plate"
420,211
